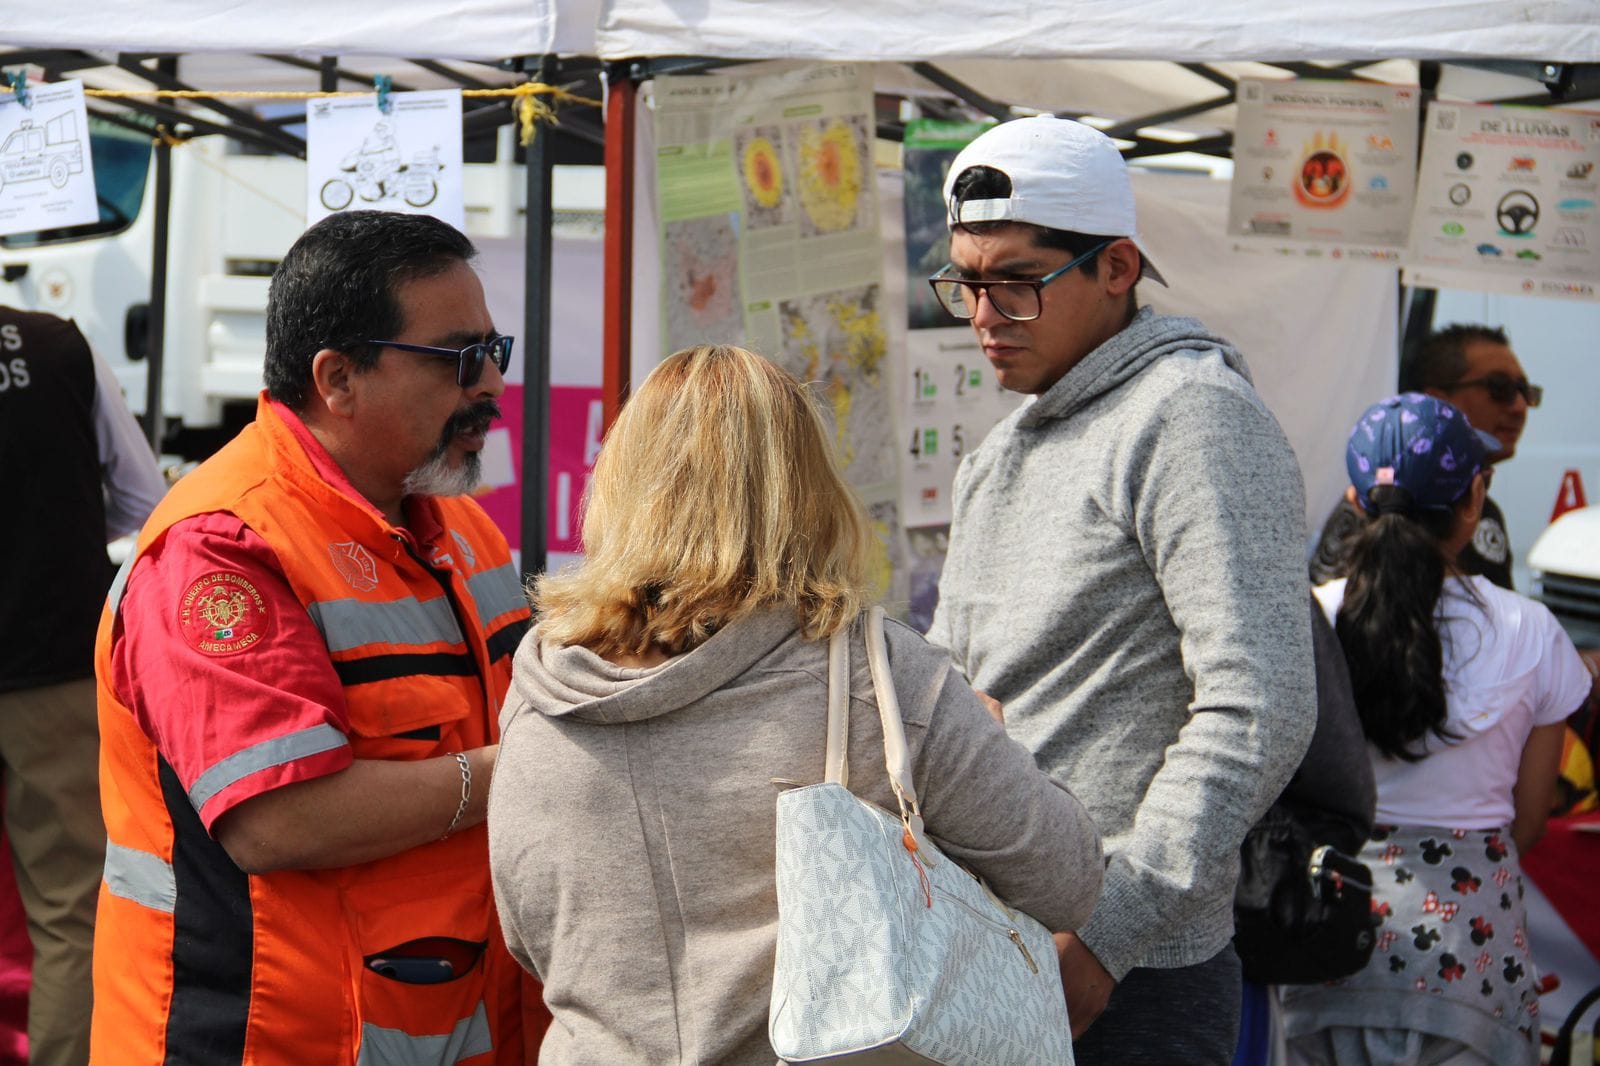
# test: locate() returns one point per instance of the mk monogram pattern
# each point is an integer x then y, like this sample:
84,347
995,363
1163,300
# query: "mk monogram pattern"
863,961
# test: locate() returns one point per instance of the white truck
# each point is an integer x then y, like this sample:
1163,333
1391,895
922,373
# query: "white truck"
1565,561
232,217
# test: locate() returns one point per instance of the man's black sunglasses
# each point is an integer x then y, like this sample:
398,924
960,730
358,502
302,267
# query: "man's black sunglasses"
1503,388
469,360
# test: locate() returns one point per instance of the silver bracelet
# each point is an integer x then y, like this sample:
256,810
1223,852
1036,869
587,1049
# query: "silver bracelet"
466,792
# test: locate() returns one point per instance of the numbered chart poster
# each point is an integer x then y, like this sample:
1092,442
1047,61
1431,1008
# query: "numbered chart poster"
46,177
405,159
1324,161
1506,201
951,397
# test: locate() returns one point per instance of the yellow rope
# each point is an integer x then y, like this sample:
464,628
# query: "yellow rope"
530,109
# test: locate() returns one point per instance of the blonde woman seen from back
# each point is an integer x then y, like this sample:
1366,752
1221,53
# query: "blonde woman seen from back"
676,680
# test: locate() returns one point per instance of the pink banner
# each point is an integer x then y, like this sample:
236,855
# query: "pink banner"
576,418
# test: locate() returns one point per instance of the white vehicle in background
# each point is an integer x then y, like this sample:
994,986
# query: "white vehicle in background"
233,215
1565,562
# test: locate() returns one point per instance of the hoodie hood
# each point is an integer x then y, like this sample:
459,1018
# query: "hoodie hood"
571,681
1147,338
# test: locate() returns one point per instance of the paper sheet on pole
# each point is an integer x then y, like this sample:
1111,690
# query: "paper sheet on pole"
1324,161
46,175
769,238
407,159
1507,201
952,396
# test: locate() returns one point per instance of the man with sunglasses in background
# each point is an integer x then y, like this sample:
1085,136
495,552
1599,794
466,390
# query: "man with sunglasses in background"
1474,369
300,672
1125,575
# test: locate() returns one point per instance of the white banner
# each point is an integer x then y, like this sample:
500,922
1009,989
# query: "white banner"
46,176
405,159
1507,201
1325,161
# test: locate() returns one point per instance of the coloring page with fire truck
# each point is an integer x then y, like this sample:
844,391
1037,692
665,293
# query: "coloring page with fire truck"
46,179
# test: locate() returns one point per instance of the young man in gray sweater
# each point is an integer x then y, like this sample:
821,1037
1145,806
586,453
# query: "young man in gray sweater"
1126,576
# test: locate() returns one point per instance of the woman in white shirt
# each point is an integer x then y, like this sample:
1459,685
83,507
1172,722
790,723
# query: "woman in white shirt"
1463,689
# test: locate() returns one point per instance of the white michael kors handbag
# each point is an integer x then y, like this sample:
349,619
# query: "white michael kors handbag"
889,952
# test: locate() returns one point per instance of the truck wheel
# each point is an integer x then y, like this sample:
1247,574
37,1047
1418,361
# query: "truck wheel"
336,194
422,196
59,172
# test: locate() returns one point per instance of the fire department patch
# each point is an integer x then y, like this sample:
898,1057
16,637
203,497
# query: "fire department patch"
354,564
223,614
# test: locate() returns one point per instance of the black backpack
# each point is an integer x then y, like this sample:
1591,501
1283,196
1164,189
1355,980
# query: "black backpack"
1302,911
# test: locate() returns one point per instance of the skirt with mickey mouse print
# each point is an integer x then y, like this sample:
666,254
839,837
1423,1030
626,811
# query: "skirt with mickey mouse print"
1452,956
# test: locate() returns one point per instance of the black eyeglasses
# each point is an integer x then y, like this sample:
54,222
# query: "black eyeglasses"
1503,388
469,360
1017,299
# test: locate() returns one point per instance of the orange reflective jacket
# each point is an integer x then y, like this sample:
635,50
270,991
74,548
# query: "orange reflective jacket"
198,962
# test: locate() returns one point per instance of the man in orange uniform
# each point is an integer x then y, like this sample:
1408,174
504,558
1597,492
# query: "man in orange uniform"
299,674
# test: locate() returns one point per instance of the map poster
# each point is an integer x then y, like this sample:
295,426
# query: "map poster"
1324,161
46,176
1507,201
951,397
405,159
766,192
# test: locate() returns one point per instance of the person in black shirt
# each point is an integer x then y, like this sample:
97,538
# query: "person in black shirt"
77,473
1473,368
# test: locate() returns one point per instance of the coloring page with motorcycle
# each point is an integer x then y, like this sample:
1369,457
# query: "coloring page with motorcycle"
388,152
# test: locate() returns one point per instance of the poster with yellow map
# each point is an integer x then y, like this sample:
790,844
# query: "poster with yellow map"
766,192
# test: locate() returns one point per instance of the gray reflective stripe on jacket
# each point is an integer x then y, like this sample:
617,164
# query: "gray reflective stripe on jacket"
351,623
395,1047
119,584
496,592
139,876
262,756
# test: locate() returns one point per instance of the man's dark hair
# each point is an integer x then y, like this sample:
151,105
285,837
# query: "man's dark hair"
336,288
1441,360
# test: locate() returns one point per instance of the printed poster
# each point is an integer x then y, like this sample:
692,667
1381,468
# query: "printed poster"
1324,162
1506,201
951,396
46,175
405,159
767,195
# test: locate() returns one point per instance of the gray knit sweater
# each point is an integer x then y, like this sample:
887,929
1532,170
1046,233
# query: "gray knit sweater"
1126,575
632,813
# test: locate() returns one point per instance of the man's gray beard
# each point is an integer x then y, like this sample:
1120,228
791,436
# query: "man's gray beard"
437,477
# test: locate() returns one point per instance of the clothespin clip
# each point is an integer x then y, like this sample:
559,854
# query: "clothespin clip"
384,84
18,80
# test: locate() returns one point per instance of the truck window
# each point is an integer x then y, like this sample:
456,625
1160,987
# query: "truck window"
121,165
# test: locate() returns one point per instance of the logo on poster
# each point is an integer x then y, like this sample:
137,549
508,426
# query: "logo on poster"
1459,194
1463,160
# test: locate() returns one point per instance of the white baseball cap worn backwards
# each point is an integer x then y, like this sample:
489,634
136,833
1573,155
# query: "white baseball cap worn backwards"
1064,175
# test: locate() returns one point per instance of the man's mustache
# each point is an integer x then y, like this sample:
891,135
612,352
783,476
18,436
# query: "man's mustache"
473,419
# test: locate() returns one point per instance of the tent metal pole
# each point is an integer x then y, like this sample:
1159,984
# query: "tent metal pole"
622,96
155,427
537,163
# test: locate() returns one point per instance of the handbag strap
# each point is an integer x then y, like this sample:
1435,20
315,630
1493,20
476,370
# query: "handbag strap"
836,764
896,752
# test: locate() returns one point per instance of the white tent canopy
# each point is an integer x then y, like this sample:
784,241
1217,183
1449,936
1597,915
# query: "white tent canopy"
486,30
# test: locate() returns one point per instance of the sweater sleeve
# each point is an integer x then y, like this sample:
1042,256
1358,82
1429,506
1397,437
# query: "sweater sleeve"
1214,499
983,799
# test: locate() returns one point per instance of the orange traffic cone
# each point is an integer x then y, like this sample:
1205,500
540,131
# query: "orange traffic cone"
1569,497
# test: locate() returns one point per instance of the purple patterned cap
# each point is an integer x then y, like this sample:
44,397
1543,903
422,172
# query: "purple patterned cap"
1420,443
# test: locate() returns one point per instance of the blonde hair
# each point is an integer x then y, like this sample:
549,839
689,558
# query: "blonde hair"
716,493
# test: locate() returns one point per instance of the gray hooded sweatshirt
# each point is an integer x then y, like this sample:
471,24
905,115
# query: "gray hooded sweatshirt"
632,814
1126,575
